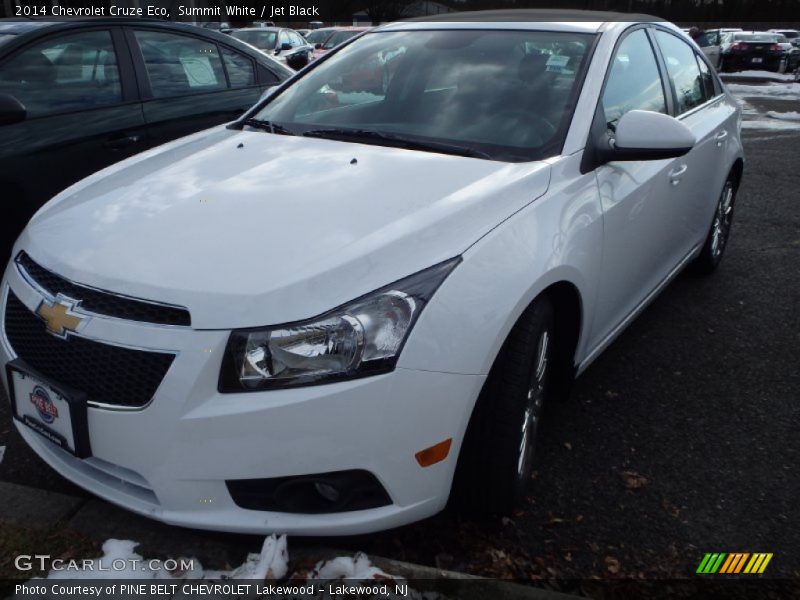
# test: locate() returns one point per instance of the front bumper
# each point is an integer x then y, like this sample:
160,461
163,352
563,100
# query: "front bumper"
170,459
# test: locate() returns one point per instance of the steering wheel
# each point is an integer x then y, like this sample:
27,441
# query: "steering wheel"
518,126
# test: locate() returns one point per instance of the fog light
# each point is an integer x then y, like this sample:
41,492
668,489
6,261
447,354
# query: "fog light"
327,491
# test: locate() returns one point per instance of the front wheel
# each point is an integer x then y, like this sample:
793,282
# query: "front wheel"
494,466
717,239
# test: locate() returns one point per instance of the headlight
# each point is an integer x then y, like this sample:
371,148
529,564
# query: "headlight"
363,337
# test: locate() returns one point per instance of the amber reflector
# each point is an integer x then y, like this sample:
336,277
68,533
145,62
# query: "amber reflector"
434,454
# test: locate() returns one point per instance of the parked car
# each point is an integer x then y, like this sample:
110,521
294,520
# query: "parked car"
319,36
710,42
284,45
756,50
221,26
338,36
196,336
790,51
792,35
77,96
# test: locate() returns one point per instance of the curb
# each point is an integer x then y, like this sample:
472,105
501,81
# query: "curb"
99,520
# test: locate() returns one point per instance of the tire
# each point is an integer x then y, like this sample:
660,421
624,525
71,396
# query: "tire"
719,233
494,466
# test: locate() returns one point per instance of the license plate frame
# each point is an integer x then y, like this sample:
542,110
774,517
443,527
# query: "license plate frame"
56,400
757,60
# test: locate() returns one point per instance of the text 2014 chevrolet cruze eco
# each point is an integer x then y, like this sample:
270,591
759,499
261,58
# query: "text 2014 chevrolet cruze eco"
335,314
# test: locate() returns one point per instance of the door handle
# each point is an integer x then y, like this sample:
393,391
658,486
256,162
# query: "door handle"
676,174
720,137
124,141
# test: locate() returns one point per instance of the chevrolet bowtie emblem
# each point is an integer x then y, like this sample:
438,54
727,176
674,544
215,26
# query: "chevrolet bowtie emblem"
59,317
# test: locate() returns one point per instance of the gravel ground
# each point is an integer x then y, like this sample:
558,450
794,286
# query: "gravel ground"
681,439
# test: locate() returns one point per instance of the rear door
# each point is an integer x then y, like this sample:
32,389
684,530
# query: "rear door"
701,105
190,83
83,113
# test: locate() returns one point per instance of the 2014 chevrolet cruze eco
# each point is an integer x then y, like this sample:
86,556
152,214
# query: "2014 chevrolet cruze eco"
323,317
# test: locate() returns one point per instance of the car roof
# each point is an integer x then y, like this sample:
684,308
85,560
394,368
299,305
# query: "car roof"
20,26
257,29
555,19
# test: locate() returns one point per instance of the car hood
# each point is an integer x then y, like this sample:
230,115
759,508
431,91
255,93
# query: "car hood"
251,228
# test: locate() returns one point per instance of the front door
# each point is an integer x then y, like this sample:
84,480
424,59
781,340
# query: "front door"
637,197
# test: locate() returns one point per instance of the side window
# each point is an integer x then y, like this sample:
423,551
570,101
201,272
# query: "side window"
296,39
634,82
706,77
240,68
683,71
66,73
283,38
179,64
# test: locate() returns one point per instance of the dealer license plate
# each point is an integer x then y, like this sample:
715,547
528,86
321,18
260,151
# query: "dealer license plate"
49,411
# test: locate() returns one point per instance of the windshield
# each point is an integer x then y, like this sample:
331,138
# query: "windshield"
318,36
259,39
506,95
339,37
756,37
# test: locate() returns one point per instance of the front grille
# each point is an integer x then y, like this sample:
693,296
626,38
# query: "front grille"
101,302
107,374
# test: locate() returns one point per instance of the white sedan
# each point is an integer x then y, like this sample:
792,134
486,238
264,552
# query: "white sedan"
336,313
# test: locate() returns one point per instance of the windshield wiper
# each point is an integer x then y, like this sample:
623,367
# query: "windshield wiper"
267,126
378,138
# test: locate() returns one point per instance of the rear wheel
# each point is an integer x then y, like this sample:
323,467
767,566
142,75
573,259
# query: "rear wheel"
495,463
717,239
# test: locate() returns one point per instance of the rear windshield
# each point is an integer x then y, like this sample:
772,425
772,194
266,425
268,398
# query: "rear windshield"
502,95
756,37
259,39
339,37
318,36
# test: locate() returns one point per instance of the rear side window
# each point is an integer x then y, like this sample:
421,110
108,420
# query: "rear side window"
634,82
706,77
64,73
178,64
240,69
683,70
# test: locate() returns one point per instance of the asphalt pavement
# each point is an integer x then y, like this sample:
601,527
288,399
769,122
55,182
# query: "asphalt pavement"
681,439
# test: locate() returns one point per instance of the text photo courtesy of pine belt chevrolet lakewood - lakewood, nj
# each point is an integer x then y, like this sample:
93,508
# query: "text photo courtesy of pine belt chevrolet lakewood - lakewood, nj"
283,273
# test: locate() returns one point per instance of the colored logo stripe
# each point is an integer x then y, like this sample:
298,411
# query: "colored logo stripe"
733,563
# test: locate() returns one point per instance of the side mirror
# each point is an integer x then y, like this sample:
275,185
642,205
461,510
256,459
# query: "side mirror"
285,46
646,135
11,110
317,46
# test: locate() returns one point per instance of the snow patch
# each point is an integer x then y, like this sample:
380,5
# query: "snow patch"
760,75
771,124
344,567
784,116
780,91
271,563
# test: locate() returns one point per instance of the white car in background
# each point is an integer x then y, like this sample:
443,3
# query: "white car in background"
196,336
